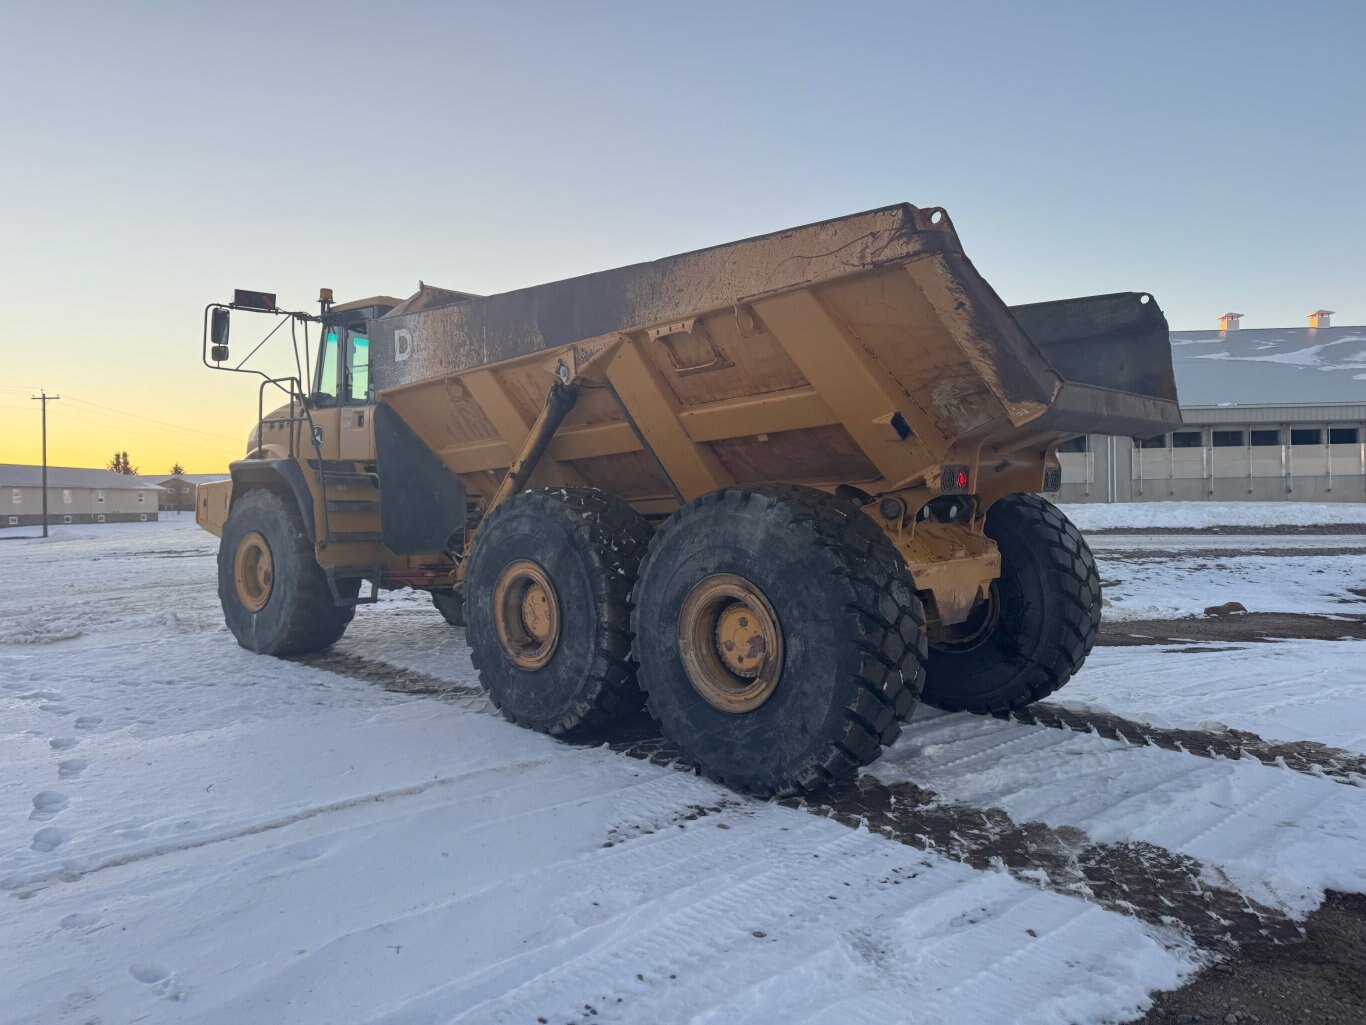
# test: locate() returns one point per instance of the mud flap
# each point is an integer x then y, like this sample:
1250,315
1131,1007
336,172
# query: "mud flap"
421,502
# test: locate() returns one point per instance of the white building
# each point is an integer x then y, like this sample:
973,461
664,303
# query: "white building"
1270,414
73,496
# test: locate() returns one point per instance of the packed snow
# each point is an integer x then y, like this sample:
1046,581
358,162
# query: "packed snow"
192,833
1203,515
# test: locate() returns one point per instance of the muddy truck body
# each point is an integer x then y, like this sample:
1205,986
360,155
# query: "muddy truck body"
778,490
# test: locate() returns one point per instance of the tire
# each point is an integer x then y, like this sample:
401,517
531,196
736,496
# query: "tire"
298,614
585,547
842,638
1046,620
451,605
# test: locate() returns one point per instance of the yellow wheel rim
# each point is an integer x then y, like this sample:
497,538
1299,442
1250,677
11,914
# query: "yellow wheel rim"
730,643
253,572
526,614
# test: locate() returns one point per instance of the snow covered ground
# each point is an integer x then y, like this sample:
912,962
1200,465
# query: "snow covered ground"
190,833
1200,515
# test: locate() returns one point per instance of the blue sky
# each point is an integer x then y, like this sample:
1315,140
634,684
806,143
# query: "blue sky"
160,154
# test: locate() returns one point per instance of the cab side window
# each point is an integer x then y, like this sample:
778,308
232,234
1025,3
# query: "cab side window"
357,367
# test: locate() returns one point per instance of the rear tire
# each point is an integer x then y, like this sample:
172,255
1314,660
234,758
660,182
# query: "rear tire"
451,605
275,596
779,637
548,612
1046,620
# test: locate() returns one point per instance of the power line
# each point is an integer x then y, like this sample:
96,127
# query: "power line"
150,420
202,446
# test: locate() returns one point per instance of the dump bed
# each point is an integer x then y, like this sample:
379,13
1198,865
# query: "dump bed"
861,350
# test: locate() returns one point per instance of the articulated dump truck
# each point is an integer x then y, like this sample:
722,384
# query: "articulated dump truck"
777,490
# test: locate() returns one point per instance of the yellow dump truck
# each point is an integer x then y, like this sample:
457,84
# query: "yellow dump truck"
777,490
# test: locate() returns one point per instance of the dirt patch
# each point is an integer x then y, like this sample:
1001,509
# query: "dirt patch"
1242,627
1306,756
390,677
1151,883
1319,979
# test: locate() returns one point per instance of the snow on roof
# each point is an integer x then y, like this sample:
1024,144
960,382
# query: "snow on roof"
1270,366
193,478
17,475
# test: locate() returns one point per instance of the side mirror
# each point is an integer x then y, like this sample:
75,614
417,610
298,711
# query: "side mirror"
218,334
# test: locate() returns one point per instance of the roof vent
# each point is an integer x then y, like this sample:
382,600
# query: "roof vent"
1319,318
1229,321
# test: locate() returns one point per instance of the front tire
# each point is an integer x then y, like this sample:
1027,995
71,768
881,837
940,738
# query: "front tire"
779,637
1044,623
275,596
547,608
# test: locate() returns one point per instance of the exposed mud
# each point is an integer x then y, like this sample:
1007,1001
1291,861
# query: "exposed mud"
1251,627
1306,756
1319,979
390,677
1140,879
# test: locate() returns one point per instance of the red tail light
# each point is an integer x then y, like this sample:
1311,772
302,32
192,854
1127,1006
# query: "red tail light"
953,480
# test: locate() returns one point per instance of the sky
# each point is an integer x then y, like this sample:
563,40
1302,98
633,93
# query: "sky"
157,155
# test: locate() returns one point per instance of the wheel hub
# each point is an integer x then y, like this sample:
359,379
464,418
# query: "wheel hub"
740,640
253,572
526,614
730,643
973,631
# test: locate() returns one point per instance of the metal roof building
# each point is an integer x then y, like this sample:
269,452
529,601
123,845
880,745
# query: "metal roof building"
74,495
177,491
1270,414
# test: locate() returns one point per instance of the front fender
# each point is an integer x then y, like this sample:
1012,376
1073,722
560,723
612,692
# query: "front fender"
277,474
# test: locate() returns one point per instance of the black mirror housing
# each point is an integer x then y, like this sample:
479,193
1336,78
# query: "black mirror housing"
218,353
218,330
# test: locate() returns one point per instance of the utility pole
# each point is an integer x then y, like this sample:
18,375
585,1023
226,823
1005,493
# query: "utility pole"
45,398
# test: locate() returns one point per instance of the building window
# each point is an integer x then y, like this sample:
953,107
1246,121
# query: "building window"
16,496
1264,438
1229,439
14,521
142,517
1159,442
1306,436
66,519
99,518
1186,439
1077,444
1343,435
99,496
66,496
141,495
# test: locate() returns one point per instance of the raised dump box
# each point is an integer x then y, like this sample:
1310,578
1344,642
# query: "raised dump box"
779,486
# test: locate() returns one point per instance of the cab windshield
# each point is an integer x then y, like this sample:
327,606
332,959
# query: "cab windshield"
325,384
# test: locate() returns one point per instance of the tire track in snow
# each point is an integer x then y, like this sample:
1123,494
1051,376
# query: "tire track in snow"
1305,756
1136,878
389,676
24,884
